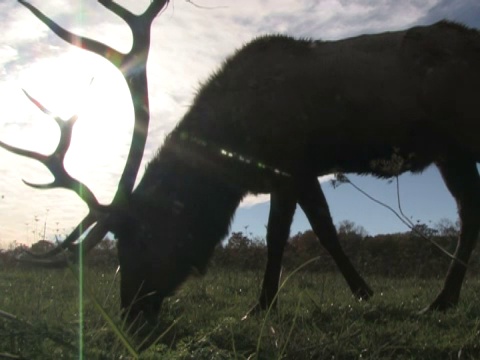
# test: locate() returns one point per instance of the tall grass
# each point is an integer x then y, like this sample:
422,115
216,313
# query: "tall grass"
317,318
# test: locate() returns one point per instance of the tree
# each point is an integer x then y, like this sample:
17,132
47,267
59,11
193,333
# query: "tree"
238,241
42,246
306,242
423,230
348,229
448,228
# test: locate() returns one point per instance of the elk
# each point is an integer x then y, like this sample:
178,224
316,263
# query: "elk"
279,113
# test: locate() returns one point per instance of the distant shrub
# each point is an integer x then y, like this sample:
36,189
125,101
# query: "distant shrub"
396,255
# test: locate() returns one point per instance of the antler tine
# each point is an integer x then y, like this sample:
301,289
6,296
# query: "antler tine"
134,69
58,258
41,107
68,243
94,237
54,162
49,263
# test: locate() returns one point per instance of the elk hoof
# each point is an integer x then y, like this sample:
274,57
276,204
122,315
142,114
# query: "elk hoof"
437,306
364,293
254,311
441,303
260,308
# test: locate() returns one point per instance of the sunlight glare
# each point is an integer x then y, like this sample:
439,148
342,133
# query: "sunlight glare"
85,85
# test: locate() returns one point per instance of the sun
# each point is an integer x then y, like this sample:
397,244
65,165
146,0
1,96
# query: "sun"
74,83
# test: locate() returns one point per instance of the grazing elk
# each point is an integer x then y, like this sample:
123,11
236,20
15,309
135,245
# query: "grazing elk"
279,113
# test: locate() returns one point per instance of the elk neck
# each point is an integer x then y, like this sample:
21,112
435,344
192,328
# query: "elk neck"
184,192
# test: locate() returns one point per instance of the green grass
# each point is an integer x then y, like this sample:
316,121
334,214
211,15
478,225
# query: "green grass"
317,319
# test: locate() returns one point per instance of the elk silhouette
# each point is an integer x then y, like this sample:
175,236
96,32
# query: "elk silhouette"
279,113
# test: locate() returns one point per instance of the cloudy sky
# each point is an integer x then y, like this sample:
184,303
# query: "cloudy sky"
189,43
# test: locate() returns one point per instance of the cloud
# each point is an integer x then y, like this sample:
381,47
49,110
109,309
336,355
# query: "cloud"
252,200
465,11
7,54
327,19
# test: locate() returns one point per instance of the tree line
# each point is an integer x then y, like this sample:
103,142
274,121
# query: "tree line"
406,254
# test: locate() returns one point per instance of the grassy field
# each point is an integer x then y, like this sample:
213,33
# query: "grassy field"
46,316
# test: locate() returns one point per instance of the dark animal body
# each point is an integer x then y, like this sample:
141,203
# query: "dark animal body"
281,112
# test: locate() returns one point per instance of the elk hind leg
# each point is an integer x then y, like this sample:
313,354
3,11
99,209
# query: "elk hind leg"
463,181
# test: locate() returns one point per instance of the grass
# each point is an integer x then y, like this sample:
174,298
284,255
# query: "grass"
317,319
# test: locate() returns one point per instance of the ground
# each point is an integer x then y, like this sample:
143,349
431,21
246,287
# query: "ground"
317,319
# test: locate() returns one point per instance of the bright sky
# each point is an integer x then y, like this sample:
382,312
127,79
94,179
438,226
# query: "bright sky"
189,43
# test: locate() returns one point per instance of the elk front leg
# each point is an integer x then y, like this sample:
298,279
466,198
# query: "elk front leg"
313,203
282,208
463,181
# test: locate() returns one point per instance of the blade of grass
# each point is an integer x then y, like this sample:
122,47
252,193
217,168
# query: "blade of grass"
117,330
25,323
276,296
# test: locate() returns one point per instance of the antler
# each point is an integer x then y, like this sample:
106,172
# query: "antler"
54,162
133,66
